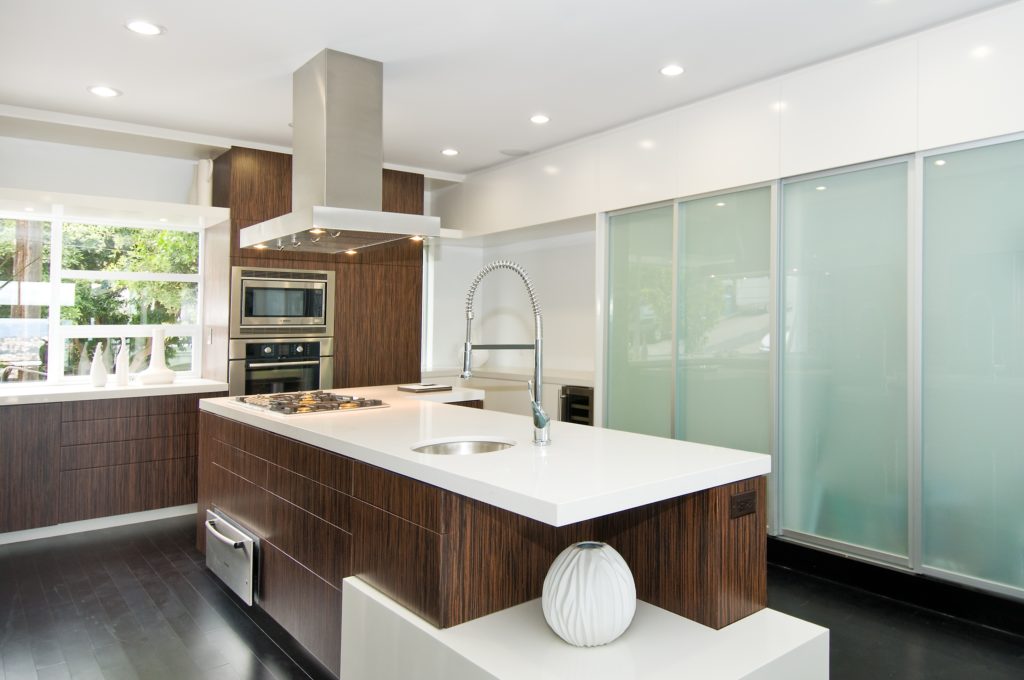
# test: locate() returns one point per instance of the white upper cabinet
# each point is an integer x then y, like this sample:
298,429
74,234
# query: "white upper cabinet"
858,108
971,78
638,163
729,141
550,186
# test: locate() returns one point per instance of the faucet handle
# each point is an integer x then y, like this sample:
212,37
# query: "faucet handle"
540,416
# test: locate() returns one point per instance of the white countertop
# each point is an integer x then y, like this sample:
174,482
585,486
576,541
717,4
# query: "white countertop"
584,472
42,392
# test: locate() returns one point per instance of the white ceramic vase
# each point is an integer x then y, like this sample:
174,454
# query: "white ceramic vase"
157,373
122,364
98,370
589,596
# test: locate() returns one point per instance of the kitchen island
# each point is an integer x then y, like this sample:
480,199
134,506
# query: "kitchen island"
453,539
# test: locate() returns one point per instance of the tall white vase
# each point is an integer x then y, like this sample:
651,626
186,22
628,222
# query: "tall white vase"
98,371
157,373
589,595
122,364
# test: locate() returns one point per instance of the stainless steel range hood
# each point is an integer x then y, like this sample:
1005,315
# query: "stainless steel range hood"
336,164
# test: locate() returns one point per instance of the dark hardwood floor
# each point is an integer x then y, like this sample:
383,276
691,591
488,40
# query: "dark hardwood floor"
132,602
137,602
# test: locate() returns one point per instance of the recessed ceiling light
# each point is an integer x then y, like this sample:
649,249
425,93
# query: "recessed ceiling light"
450,152
981,51
316,230
514,153
646,144
260,246
820,188
719,205
779,106
940,162
350,252
105,91
415,238
672,70
539,119
144,27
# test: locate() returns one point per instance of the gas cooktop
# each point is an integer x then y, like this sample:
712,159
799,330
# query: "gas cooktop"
293,403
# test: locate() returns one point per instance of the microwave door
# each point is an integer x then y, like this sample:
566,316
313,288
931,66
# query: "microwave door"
276,303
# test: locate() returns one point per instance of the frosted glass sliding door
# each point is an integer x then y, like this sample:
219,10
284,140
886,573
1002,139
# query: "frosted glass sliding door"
723,388
639,369
843,390
973,363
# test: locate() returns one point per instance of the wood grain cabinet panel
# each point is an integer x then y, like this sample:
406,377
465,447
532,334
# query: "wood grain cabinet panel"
125,452
29,465
101,409
398,558
316,464
319,546
412,500
304,604
121,429
322,501
120,489
242,500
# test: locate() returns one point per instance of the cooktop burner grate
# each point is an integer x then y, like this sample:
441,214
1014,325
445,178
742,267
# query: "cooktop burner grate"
293,403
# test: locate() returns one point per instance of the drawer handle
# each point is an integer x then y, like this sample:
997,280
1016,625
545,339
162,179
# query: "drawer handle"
279,364
211,525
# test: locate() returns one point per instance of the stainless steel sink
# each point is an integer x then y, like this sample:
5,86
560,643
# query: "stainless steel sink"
463,447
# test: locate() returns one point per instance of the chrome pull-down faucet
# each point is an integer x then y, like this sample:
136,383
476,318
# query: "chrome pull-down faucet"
541,421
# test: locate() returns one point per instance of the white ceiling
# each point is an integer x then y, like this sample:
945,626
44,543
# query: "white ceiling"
466,74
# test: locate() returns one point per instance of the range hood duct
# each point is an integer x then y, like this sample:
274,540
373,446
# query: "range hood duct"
337,160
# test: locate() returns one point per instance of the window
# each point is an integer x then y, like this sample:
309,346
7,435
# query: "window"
68,284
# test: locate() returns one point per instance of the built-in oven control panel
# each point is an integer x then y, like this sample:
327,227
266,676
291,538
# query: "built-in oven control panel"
281,351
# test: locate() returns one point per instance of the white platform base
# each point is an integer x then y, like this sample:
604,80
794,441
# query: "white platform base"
381,640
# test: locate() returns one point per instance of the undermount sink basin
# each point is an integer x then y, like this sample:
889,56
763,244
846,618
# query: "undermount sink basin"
463,446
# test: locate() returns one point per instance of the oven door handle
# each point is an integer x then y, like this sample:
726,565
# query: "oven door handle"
281,364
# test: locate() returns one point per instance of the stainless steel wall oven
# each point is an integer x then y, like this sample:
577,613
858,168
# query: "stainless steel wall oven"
268,365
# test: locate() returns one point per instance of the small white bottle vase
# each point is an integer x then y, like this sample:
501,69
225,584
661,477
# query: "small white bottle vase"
157,373
589,595
121,364
98,371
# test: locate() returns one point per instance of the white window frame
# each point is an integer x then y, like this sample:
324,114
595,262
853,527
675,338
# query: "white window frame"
59,334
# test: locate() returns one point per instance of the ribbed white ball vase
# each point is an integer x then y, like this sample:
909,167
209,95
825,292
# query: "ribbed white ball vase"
589,596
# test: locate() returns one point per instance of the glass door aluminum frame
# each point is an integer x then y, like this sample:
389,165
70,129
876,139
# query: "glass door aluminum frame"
913,363
603,287
917,487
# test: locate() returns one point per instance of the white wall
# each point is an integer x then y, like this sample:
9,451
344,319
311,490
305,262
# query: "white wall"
952,84
561,267
65,168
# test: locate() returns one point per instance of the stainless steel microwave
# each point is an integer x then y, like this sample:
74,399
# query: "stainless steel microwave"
273,302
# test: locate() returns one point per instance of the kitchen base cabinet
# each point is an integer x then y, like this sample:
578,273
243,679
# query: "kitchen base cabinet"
120,489
451,559
77,460
29,457
127,455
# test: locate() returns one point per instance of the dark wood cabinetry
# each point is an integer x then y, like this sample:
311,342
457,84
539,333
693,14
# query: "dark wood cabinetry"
29,456
94,458
449,558
377,316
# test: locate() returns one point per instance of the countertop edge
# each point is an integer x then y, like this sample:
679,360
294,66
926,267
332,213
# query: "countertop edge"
53,394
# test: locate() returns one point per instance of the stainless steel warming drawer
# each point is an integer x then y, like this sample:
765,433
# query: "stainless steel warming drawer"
232,554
